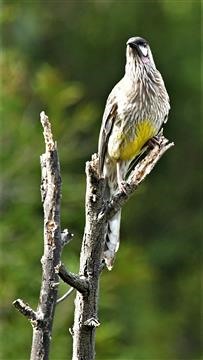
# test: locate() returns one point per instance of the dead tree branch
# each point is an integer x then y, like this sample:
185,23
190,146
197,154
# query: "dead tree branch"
26,310
73,280
97,213
51,194
86,312
66,295
91,263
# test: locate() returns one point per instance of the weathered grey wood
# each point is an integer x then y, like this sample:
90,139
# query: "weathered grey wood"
74,280
51,198
86,305
87,281
26,310
42,319
97,213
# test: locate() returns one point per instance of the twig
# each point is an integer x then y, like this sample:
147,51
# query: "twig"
80,284
67,294
26,310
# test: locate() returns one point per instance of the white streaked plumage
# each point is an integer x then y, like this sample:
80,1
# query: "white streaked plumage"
135,111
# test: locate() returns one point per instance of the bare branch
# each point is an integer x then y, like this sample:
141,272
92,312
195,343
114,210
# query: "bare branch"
86,307
65,296
80,284
48,137
25,309
91,265
51,195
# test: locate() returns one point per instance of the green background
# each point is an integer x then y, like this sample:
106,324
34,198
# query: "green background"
64,57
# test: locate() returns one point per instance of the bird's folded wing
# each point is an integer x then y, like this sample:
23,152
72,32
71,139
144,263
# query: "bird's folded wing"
106,129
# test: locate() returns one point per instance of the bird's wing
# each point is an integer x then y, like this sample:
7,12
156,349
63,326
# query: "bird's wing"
109,117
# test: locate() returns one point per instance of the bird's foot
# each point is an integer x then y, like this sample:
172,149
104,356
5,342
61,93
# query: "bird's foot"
122,186
153,141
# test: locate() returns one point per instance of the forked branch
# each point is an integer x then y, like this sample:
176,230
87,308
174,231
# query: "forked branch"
91,258
97,212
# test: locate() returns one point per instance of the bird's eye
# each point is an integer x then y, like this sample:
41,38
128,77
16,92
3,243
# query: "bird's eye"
141,43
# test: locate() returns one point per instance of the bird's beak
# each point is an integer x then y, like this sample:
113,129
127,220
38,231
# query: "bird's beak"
133,45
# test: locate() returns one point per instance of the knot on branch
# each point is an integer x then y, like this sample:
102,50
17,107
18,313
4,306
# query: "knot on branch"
92,322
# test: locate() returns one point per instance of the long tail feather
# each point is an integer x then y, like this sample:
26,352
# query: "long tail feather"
112,239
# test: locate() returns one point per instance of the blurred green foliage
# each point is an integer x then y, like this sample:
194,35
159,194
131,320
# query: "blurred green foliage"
64,57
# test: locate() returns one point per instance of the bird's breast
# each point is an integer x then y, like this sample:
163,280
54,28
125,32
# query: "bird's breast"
127,145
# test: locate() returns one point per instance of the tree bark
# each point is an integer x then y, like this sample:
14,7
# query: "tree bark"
97,213
51,197
86,305
42,319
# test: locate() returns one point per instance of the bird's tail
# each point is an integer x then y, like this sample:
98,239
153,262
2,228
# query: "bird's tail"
113,225
112,239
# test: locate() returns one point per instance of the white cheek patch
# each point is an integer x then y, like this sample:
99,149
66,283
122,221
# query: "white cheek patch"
143,50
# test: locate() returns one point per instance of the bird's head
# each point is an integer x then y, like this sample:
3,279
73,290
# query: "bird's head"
139,51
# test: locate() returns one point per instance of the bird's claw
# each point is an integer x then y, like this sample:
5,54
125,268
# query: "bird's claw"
122,187
153,141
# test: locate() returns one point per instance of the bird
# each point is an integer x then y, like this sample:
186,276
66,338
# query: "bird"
135,111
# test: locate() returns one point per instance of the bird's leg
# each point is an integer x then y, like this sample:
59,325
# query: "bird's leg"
120,180
153,141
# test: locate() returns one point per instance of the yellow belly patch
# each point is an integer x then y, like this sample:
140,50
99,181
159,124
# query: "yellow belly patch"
130,149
